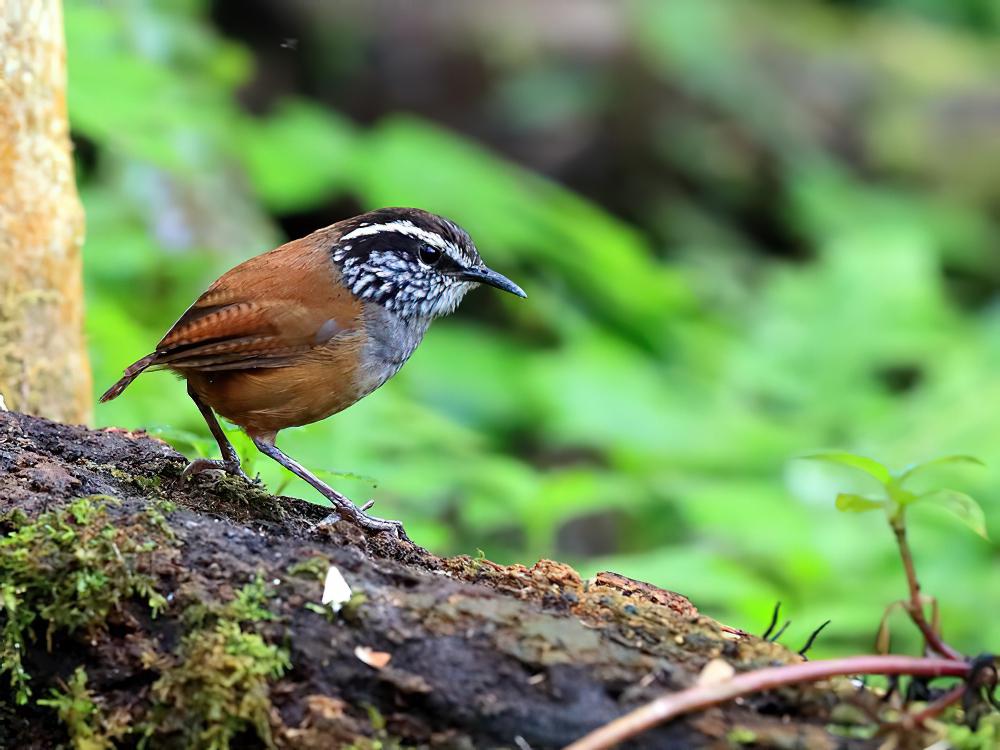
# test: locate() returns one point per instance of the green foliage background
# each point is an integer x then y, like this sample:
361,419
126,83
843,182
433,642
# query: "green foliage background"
801,254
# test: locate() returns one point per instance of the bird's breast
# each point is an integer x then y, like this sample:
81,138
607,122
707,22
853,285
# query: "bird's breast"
390,341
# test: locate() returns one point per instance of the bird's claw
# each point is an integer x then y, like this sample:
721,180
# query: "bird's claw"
200,465
361,518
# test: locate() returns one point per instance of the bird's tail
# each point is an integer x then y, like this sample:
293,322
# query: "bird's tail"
131,373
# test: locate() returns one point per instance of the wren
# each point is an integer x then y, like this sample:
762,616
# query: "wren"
304,331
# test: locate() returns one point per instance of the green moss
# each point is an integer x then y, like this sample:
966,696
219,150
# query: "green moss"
312,567
250,604
477,562
141,482
738,736
68,569
351,611
88,726
217,686
986,736
381,739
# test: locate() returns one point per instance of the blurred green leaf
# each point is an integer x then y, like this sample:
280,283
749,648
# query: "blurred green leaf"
411,162
183,439
133,101
850,503
936,462
334,474
962,506
298,156
869,466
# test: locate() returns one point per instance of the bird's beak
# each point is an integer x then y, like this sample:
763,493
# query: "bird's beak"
484,275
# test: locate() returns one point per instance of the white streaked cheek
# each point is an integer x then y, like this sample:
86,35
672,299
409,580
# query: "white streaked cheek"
448,300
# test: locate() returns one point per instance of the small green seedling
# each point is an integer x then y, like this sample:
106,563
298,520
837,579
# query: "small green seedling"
894,499
896,496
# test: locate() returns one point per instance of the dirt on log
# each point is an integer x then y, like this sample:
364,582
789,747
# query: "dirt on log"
194,610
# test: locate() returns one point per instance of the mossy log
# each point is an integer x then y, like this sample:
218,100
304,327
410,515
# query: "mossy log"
137,606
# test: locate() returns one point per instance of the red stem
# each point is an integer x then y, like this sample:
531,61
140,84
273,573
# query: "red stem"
699,697
915,607
936,707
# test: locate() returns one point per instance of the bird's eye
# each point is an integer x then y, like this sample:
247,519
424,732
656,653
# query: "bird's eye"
429,256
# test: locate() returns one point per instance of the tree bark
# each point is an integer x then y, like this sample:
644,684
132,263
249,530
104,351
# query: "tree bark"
428,652
43,361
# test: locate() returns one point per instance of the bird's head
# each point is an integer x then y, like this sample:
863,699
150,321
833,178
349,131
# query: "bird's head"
415,263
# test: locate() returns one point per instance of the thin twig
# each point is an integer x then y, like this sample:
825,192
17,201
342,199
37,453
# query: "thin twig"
915,606
699,697
936,707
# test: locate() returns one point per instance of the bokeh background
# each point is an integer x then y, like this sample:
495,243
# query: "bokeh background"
748,230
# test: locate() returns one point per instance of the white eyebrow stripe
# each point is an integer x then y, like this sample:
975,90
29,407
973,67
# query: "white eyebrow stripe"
400,227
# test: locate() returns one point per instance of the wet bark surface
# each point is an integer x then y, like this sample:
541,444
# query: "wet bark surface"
434,652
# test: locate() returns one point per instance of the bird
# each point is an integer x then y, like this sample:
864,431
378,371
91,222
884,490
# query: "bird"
303,331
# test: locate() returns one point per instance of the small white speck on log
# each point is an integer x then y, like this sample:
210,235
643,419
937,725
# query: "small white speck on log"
336,591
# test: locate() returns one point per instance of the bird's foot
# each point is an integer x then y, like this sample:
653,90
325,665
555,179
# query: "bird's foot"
200,465
358,516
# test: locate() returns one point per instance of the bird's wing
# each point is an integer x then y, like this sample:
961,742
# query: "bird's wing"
266,312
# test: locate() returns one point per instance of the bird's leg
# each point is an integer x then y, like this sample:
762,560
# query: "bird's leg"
230,462
265,444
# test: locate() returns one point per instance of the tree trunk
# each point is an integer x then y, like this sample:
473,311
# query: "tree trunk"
206,625
43,360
